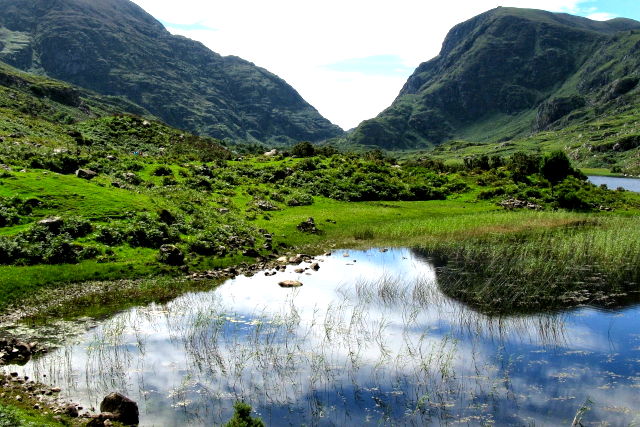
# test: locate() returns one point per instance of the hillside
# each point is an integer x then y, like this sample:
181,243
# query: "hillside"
115,48
508,73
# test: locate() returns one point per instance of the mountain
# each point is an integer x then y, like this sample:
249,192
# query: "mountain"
115,48
508,73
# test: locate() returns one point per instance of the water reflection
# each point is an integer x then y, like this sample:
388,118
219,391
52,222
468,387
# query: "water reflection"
368,338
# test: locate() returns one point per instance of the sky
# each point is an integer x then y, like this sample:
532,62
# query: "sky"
347,58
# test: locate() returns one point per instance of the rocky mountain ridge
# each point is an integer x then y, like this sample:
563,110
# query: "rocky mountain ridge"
115,48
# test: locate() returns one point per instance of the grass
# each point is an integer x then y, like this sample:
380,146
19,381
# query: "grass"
590,261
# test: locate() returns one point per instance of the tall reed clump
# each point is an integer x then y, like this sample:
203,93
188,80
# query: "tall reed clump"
594,262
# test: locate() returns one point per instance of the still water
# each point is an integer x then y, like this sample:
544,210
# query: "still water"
630,184
368,339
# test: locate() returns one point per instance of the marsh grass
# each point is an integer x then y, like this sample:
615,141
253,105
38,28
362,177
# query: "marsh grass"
595,261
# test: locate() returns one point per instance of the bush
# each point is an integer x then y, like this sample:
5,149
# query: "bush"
148,232
303,149
299,198
110,235
163,171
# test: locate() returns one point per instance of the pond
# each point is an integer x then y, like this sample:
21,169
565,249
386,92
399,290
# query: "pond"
630,184
368,339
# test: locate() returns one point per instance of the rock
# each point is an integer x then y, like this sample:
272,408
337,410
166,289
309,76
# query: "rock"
290,284
111,158
223,211
171,255
265,205
251,253
510,204
296,259
131,178
308,226
299,270
71,410
53,224
15,352
86,174
271,153
315,266
124,410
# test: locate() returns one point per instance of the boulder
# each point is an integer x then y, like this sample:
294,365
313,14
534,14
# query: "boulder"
315,266
308,226
290,284
171,255
124,410
86,174
52,224
15,352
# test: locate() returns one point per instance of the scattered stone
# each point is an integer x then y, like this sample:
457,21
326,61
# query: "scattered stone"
15,352
330,221
124,410
383,250
296,259
71,410
223,211
327,254
265,205
271,153
511,204
290,284
308,226
346,255
171,255
87,174
315,266
299,270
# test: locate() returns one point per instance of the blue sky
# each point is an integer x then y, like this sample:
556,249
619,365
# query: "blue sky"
348,58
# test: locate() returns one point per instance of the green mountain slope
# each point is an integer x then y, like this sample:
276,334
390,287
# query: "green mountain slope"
115,48
508,73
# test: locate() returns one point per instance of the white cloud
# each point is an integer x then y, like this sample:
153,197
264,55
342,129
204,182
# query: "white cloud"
298,40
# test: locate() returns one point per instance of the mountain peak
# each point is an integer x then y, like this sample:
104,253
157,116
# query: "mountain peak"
491,75
115,48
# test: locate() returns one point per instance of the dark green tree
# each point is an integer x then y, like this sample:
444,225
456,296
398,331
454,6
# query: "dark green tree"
556,167
303,149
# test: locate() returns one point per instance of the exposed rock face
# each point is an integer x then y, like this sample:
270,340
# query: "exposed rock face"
553,110
115,48
495,70
124,410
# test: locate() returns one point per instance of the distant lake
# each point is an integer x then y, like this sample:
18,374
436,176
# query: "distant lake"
631,184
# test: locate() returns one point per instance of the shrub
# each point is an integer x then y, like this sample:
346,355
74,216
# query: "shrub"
299,198
303,149
163,171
